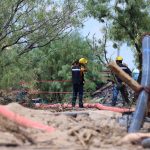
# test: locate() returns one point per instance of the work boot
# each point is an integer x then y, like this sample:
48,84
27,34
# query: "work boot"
81,106
81,103
73,105
73,102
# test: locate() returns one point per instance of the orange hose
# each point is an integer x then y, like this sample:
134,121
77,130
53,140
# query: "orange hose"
114,109
5,112
87,105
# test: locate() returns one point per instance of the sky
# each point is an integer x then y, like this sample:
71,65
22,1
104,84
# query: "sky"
93,27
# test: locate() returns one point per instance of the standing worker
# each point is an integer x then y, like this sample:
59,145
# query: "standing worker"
120,85
78,69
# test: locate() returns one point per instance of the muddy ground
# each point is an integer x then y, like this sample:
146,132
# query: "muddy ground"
91,130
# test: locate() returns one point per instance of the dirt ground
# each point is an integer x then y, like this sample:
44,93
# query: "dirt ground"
91,130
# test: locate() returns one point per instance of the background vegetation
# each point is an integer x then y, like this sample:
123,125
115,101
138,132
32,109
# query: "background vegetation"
39,40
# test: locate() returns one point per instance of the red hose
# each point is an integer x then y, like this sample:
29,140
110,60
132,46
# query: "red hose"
5,112
86,105
114,109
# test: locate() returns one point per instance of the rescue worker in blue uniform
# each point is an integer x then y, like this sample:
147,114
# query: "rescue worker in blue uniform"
78,69
120,85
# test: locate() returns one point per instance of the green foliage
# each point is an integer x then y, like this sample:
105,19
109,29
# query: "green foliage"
52,63
127,19
35,45
29,24
14,71
57,65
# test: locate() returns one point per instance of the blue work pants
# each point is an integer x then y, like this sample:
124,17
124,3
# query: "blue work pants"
124,93
115,95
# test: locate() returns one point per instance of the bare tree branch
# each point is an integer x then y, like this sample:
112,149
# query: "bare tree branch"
41,29
14,9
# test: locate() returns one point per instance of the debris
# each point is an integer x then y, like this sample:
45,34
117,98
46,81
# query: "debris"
97,130
134,138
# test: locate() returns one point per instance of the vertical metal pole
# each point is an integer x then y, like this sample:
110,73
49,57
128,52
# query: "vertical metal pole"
142,101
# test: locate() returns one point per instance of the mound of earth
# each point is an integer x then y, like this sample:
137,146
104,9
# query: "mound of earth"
91,130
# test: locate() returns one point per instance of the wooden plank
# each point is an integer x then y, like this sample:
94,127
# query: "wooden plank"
125,77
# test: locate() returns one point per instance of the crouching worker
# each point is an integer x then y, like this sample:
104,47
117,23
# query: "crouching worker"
78,69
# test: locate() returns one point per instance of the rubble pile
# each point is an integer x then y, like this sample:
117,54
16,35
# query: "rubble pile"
104,94
7,96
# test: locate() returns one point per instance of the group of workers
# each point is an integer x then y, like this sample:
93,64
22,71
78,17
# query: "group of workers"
78,70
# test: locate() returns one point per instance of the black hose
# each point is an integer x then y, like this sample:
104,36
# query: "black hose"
138,117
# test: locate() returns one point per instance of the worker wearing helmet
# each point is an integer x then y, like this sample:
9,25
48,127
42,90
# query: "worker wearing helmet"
83,61
120,86
78,69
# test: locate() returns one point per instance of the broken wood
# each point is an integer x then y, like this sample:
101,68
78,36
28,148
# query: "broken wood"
108,85
125,77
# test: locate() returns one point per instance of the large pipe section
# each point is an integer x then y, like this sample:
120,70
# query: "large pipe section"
142,101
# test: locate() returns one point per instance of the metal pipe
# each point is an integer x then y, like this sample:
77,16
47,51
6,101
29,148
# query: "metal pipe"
139,114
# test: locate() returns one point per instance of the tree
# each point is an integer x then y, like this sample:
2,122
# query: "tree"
128,20
30,24
51,63
33,24
56,65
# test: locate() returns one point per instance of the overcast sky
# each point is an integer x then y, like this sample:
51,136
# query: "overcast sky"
93,27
